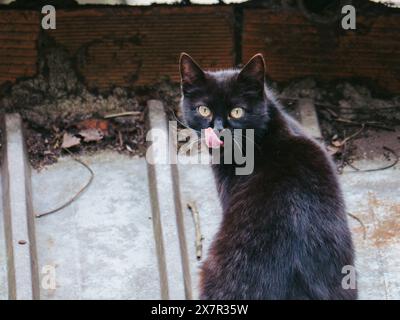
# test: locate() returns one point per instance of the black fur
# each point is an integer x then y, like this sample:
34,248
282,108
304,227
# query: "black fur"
284,233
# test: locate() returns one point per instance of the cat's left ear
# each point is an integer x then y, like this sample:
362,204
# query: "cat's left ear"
191,73
254,70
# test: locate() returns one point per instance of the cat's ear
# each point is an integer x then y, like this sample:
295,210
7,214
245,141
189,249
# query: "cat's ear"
254,70
191,72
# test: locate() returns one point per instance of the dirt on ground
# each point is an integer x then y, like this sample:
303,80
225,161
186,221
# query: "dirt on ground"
56,106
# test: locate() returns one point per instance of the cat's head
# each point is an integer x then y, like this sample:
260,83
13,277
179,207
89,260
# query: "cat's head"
226,99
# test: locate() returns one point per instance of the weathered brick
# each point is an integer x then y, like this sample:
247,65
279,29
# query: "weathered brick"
131,46
19,31
295,47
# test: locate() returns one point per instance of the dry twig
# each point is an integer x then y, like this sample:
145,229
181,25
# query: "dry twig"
361,223
123,114
39,215
354,134
396,160
199,238
373,124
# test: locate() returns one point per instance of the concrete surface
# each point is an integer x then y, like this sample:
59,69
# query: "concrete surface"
374,197
102,246
17,214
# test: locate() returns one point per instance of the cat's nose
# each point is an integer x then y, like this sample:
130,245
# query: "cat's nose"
218,124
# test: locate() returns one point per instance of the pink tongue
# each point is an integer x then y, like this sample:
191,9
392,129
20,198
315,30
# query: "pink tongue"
212,140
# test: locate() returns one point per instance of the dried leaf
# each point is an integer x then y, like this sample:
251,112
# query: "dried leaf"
101,125
91,135
69,141
337,143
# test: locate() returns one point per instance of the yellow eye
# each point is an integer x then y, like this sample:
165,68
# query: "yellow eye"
237,113
204,111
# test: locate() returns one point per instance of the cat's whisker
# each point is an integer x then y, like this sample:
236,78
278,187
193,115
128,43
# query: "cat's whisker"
189,146
237,143
193,142
252,141
183,124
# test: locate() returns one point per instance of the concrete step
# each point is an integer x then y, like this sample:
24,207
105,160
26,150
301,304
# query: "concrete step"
3,250
17,216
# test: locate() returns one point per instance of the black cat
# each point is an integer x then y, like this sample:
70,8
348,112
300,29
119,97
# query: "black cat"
284,232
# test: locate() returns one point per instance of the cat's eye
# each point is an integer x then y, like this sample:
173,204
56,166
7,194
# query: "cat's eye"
237,113
204,111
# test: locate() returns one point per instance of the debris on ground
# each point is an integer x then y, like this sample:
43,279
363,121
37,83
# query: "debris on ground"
69,141
356,122
58,111
45,144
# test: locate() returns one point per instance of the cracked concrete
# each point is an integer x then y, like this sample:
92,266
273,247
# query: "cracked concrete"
374,198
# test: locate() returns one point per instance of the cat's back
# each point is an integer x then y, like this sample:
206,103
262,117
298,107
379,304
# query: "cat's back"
289,148
283,226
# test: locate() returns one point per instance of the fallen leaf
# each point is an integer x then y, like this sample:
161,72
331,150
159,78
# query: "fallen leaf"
69,141
102,125
91,135
337,143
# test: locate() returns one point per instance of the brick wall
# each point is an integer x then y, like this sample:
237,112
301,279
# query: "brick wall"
19,32
294,47
125,46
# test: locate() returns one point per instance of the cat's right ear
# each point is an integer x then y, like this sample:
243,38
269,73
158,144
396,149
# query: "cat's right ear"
254,70
191,73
